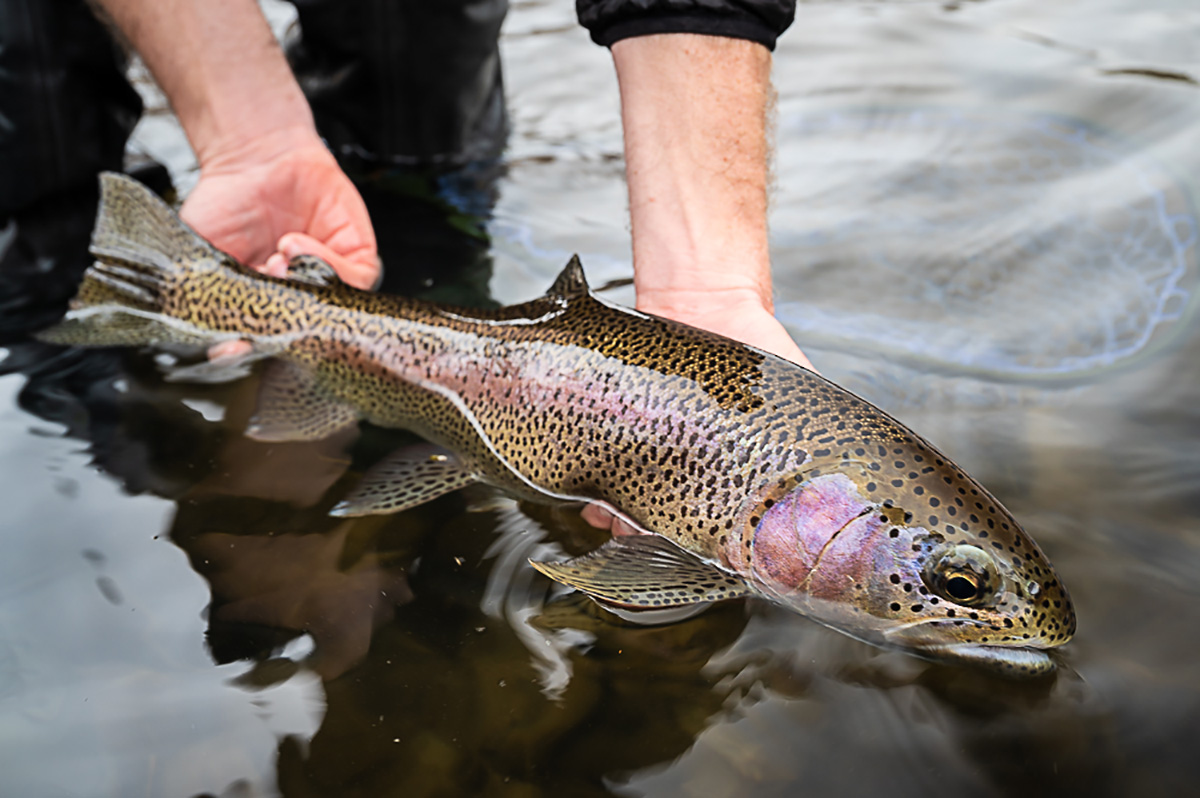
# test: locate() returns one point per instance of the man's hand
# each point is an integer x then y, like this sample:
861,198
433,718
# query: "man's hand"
264,172
264,210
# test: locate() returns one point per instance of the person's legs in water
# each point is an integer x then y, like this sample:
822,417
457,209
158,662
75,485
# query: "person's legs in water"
66,112
403,83
409,97
65,105
410,93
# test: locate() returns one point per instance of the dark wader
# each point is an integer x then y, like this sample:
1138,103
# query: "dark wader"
392,83
400,83
405,93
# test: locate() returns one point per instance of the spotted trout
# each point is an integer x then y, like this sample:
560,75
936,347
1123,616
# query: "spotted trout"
744,474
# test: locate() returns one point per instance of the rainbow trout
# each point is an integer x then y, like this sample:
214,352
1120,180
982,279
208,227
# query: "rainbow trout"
746,474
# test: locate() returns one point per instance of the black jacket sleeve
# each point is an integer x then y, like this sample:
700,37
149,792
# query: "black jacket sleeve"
759,21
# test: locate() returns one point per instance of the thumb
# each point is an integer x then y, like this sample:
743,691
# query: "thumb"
360,269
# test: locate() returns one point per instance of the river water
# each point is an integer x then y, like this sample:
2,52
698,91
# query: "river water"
984,221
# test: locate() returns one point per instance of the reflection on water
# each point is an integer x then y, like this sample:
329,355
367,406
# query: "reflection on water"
1070,254
966,200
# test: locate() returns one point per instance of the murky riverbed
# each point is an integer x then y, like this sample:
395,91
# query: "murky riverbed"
984,221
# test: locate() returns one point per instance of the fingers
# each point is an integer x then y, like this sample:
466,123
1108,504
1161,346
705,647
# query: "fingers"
601,518
596,516
361,269
358,273
276,266
229,350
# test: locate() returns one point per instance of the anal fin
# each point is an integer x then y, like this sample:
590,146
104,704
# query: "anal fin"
644,572
409,477
292,407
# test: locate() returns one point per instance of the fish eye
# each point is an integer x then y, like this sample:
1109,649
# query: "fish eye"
963,587
963,574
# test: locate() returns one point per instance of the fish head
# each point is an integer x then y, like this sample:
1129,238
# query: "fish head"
837,549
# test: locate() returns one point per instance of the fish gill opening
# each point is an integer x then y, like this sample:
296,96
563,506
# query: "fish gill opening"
821,554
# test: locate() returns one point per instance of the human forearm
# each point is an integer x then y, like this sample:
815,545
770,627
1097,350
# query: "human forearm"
226,77
694,110
268,188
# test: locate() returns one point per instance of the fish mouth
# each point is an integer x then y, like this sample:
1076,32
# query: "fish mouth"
1016,661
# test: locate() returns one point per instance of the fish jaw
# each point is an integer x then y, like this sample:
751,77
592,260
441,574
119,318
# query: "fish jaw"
858,565
928,642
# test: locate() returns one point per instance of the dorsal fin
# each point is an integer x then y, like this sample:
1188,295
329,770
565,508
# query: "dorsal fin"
570,283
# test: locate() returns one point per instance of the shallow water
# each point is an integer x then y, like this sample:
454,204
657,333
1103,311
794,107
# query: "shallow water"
984,221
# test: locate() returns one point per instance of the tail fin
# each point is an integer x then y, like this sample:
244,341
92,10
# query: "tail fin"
143,252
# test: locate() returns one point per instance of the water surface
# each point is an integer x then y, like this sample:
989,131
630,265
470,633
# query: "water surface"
984,221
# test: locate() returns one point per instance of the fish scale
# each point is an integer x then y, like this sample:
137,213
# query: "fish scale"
763,475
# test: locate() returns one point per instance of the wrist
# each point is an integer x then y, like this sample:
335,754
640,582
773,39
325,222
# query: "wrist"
693,304
265,117
245,148
673,268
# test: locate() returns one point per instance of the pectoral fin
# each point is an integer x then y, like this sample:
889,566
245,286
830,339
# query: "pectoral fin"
644,573
411,476
292,407
214,370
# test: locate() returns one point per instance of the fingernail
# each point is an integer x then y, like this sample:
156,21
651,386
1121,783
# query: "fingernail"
229,350
275,266
290,247
377,279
